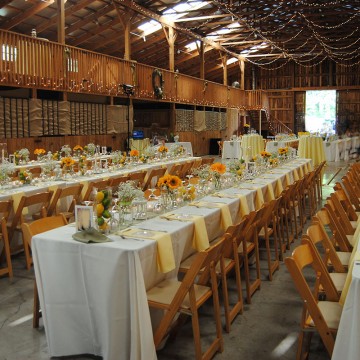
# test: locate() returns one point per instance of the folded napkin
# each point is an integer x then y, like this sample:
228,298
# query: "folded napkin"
259,198
200,237
90,235
165,254
226,220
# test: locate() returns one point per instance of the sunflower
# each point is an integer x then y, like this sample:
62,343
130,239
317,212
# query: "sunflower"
174,182
218,167
39,152
164,180
265,154
67,161
78,148
163,149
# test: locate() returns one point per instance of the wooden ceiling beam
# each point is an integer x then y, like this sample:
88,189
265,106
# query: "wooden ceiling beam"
3,3
25,15
89,34
69,10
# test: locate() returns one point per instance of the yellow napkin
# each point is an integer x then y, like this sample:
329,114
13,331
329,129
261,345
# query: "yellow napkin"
165,254
226,220
355,256
296,175
16,201
85,187
271,192
279,187
259,197
301,171
200,237
243,206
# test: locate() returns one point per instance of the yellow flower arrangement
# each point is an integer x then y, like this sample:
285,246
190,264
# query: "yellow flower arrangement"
273,161
55,156
283,151
163,149
218,167
78,148
247,125
134,153
170,182
25,177
265,154
39,152
67,161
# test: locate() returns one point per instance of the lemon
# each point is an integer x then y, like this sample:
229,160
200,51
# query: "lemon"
100,221
104,226
99,209
99,196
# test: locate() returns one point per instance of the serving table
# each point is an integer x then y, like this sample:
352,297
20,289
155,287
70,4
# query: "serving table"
252,145
232,149
93,296
312,147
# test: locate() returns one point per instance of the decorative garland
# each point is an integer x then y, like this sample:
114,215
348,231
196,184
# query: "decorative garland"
158,84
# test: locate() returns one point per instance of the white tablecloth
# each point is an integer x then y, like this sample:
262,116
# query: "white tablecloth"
231,150
341,149
273,146
93,296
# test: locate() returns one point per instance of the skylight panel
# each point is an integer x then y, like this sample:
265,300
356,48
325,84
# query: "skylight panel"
150,27
231,60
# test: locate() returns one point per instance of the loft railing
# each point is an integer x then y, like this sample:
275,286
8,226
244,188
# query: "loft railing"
36,63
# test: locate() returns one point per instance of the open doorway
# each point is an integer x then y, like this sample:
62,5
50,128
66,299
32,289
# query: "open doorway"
320,115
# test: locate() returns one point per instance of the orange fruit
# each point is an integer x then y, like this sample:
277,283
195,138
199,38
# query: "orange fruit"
99,209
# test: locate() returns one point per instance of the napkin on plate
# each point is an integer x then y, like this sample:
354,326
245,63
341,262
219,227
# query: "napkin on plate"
200,237
165,254
90,235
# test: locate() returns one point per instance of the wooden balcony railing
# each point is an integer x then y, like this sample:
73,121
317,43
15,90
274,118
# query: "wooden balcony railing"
37,63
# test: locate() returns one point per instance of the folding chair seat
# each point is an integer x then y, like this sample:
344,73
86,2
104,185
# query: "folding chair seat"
5,209
39,200
99,185
186,297
318,316
185,170
71,195
30,230
138,177
153,176
339,260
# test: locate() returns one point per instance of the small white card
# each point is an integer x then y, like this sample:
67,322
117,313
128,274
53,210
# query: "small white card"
84,217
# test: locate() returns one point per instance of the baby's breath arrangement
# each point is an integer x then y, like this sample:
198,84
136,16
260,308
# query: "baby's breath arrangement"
127,192
6,168
150,152
90,148
203,172
66,149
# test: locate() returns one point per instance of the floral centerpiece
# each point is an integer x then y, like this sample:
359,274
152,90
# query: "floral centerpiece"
55,156
237,167
134,154
188,193
283,151
6,169
168,185
177,150
273,161
90,149
40,153
265,155
163,150
127,192
246,128
21,155
82,164
25,176
78,150
67,163
203,172
217,169
66,149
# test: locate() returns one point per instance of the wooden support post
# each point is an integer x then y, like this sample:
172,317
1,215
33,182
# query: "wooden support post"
242,74
171,36
61,21
224,64
201,51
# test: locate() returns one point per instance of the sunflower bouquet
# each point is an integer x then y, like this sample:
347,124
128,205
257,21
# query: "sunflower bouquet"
169,182
25,176
163,150
134,153
217,169
67,163
78,149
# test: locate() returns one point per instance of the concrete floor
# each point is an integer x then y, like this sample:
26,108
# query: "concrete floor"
267,329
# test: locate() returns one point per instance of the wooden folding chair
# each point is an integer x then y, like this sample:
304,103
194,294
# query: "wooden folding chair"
266,231
40,200
176,170
5,209
207,161
338,279
339,260
35,171
138,177
339,238
116,181
187,296
320,316
30,230
154,175
346,204
346,185
99,185
185,170
73,195
348,225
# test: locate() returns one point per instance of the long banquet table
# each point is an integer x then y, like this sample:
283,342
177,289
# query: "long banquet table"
93,296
